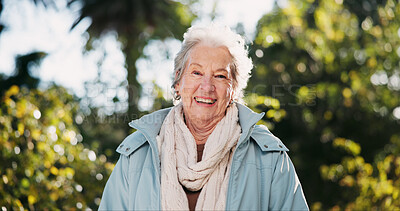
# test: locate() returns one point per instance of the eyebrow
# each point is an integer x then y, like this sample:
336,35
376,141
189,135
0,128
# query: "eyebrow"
195,64
222,69
219,69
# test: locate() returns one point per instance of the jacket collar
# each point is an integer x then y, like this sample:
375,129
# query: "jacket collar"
247,119
150,124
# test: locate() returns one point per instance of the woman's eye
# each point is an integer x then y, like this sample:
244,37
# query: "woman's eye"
196,73
220,76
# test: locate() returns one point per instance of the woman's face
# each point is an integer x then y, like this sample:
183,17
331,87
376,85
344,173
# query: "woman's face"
206,83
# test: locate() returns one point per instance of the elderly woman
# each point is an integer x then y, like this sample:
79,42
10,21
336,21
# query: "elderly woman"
206,152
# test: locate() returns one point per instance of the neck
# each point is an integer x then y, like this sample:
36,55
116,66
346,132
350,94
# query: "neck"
201,129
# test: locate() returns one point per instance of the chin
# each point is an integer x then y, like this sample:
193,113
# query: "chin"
204,115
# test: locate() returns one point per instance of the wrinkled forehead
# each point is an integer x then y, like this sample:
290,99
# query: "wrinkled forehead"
205,55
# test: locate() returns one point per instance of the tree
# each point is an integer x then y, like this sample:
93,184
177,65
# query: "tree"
365,186
44,163
329,75
1,9
23,76
136,22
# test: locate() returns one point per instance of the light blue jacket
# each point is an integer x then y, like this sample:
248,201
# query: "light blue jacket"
262,175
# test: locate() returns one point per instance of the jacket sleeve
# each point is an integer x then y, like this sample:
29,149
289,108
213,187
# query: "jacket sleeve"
115,193
286,190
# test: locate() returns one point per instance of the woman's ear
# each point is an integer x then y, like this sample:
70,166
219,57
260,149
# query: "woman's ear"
232,96
177,73
176,77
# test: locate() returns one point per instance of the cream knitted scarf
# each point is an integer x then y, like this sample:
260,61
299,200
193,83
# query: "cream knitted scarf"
179,166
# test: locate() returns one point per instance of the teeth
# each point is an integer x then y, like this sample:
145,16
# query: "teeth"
203,100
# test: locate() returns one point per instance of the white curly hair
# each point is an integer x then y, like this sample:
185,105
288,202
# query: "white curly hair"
216,36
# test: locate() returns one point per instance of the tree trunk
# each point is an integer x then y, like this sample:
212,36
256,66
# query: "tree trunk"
132,53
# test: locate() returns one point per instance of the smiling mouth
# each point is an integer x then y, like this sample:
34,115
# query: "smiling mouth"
205,100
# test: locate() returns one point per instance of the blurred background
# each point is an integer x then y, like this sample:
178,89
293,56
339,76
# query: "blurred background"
73,73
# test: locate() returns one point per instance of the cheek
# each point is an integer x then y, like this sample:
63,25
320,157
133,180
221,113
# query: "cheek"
187,88
189,84
225,92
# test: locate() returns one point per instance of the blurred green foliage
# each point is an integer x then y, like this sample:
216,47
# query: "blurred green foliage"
366,186
44,164
332,67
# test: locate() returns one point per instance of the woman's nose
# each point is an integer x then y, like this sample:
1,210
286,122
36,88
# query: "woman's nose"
207,84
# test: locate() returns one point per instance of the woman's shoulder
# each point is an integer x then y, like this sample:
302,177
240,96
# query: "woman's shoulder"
266,140
149,124
131,143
